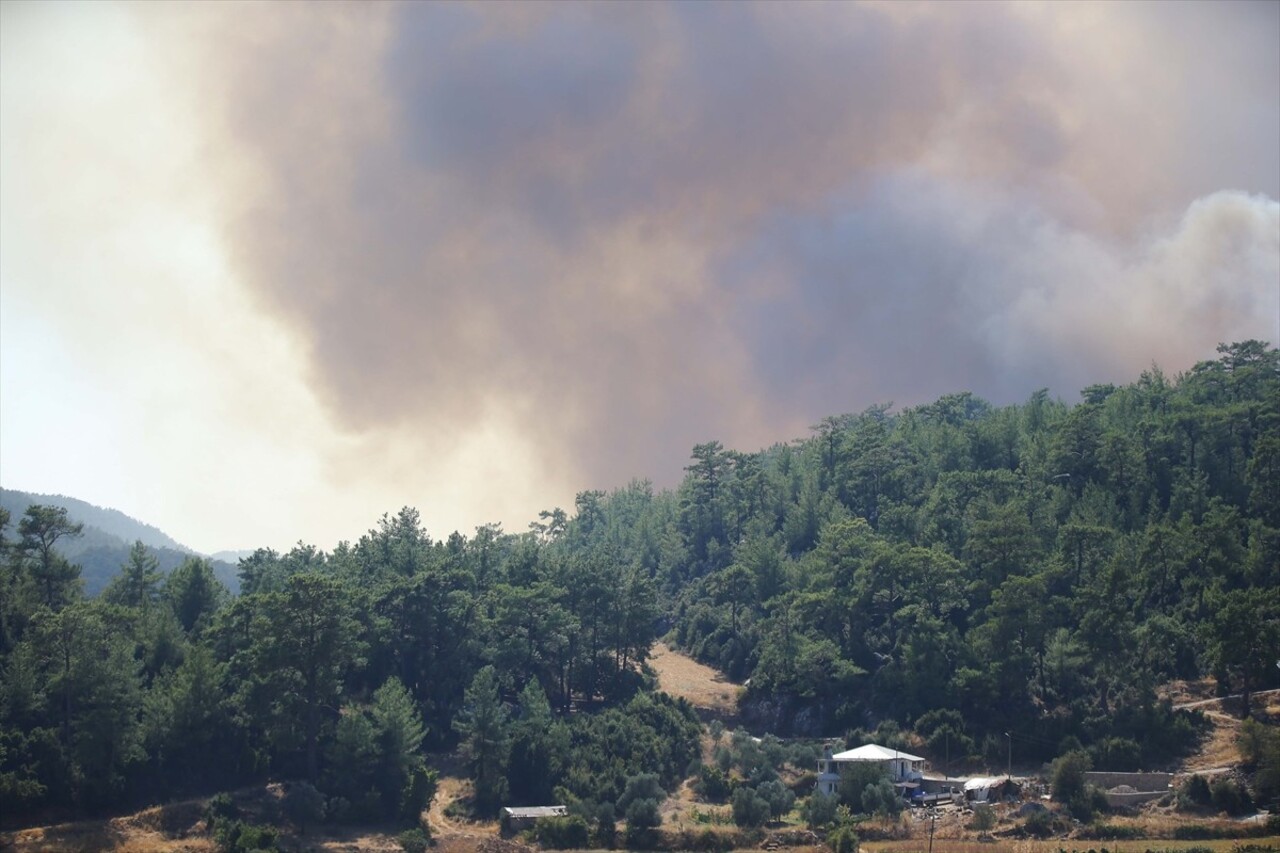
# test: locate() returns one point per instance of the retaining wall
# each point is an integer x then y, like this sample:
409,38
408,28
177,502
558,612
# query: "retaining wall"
1143,782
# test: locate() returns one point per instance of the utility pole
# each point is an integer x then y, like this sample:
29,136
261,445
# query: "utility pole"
1008,768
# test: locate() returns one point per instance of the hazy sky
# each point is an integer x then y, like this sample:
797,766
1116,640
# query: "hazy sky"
269,271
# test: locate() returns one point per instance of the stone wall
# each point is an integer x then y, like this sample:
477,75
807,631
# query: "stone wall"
1145,782
1134,799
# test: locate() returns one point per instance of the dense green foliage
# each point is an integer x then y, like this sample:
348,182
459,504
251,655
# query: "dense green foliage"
335,668
1035,569
954,569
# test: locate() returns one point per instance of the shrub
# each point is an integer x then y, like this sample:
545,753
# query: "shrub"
221,807
1067,775
642,818
562,833
606,825
854,781
642,786
1230,796
712,784
1114,832
984,818
820,810
1039,824
1117,753
338,809
413,841
236,836
1260,748
418,792
1085,804
749,808
843,840
304,805
778,796
880,798
1194,792
716,730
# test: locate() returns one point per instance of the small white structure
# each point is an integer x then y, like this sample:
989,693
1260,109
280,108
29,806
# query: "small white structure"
901,766
518,818
983,789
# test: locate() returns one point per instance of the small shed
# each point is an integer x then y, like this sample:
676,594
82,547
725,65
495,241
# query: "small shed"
520,818
985,789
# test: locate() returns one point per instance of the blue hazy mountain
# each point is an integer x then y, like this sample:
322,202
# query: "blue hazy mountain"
108,535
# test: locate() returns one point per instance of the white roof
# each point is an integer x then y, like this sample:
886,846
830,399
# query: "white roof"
980,782
536,811
873,752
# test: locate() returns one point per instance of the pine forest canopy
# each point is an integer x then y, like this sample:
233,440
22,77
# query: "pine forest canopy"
957,569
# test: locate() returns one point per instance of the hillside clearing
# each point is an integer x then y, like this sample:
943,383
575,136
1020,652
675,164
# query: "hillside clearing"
715,696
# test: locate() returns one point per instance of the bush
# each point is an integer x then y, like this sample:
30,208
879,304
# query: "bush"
1260,748
712,784
1039,824
220,807
880,798
984,818
706,839
304,805
642,786
778,796
236,836
1230,796
1114,832
854,781
606,825
418,792
1067,775
820,810
843,840
750,810
1088,802
413,841
1117,753
1194,792
562,833
716,730
642,818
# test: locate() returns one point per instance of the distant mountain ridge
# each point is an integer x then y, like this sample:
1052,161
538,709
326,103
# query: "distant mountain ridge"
113,522
108,535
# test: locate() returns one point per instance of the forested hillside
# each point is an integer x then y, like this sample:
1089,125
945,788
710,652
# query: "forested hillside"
956,569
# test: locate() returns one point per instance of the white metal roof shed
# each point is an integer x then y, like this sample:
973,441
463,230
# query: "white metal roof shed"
874,752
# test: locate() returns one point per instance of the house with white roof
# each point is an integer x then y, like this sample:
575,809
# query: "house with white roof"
902,767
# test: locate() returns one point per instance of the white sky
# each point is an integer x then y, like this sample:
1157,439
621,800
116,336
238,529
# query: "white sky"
135,372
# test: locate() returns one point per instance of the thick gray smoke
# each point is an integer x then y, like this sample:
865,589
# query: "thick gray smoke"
628,228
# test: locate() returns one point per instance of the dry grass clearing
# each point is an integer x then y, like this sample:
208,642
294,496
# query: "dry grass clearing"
1218,750
704,688
1054,845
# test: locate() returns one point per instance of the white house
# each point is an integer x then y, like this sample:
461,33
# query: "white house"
901,766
